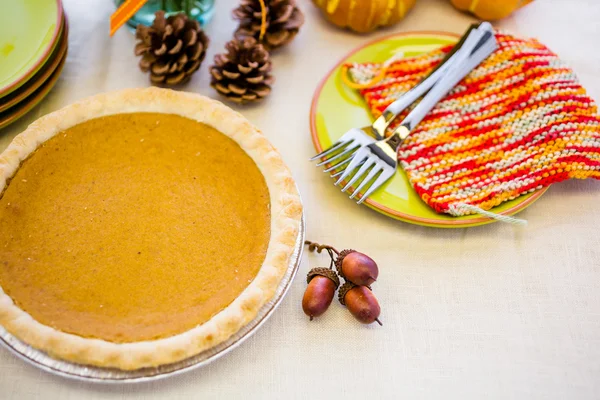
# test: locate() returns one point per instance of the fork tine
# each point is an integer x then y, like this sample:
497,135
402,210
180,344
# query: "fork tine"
385,175
336,146
337,174
336,166
361,155
347,151
372,173
342,171
363,170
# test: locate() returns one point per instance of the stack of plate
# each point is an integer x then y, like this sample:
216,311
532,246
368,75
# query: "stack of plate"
33,50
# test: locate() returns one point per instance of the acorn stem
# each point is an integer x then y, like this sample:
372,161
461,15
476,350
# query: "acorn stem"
378,321
312,246
311,318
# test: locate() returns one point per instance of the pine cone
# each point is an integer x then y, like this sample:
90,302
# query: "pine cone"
283,21
172,49
243,74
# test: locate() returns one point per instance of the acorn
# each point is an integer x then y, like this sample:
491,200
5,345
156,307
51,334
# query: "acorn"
361,302
322,284
357,267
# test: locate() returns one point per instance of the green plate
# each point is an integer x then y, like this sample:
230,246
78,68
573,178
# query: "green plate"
337,108
34,97
57,56
29,30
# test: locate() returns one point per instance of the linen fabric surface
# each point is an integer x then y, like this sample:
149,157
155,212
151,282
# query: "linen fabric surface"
492,312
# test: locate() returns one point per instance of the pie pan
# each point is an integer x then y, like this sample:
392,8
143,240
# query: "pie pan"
86,373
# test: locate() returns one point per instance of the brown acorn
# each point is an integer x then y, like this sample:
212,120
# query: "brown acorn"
361,302
357,267
322,284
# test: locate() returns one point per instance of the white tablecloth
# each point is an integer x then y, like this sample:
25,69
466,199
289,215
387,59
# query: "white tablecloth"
491,312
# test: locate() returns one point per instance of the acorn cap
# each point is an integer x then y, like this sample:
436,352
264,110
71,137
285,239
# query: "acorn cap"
340,259
326,272
343,290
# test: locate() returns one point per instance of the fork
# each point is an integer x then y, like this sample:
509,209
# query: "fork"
380,157
355,138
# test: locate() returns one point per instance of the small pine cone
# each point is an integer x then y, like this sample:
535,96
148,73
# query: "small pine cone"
326,272
340,259
172,49
283,21
243,74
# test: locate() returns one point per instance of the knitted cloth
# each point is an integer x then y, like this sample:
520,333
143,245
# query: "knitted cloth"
517,123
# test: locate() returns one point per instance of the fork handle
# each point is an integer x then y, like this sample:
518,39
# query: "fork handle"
465,63
391,112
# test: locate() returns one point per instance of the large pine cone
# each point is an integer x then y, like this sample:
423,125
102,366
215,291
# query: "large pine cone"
283,21
243,74
172,49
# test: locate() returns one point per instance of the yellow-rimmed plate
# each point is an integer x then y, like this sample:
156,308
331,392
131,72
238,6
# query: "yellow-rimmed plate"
337,108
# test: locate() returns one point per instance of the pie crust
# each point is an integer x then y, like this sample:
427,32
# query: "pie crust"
286,214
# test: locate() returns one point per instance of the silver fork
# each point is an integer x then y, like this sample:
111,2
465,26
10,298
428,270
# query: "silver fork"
355,138
378,160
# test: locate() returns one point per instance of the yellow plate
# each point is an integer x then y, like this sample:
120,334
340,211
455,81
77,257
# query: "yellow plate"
29,31
41,76
337,108
11,115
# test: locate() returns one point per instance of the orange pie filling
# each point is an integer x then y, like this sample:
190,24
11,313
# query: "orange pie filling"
132,227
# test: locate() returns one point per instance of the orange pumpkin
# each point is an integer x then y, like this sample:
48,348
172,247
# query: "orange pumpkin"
364,15
490,9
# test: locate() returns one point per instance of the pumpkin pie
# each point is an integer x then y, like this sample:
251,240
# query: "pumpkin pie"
141,227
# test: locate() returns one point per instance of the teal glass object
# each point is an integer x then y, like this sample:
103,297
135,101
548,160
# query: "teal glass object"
200,10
